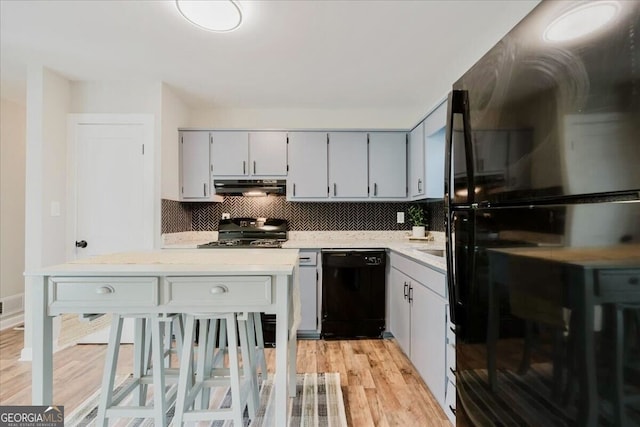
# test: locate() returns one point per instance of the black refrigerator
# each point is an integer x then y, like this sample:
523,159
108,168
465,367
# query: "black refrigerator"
542,216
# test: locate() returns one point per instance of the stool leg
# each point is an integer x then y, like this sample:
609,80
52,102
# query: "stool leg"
232,336
109,374
186,369
248,362
203,364
257,321
159,401
141,351
618,381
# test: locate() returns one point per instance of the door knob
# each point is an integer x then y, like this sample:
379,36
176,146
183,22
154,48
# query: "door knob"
81,244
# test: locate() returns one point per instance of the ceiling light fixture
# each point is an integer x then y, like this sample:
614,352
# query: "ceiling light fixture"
581,21
211,15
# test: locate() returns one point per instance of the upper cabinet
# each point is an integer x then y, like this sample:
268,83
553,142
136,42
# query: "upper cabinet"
434,149
195,178
426,156
388,165
348,169
416,162
244,154
308,170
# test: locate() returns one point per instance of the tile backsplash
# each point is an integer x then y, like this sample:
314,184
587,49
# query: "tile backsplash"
179,216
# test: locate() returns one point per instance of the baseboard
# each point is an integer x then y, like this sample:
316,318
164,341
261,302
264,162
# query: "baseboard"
11,321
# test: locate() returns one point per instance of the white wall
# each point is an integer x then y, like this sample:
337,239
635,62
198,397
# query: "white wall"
174,114
12,184
299,118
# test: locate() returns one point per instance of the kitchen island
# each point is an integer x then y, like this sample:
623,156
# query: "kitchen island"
180,281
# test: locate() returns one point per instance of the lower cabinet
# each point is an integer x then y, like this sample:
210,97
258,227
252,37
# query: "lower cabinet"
309,275
419,320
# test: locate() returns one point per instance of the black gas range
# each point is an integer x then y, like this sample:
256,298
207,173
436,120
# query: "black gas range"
249,233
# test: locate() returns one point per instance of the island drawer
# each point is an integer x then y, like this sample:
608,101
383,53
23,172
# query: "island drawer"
618,284
218,291
108,293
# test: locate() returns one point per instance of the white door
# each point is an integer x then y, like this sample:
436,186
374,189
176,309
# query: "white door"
388,165
111,201
268,153
307,177
111,215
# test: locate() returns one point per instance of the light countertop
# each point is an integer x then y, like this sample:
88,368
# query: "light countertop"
183,262
397,241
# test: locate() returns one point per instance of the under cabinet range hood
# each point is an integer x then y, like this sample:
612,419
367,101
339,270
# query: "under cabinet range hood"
249,187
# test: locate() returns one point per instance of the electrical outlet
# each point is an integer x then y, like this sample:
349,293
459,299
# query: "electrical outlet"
400,217
226,215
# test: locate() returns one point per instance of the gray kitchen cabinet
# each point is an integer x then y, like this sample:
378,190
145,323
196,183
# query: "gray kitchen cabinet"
416,162
268,154
230,153
434,150
309,275
308,170
348,166
194,165
249,154
388,165
418,320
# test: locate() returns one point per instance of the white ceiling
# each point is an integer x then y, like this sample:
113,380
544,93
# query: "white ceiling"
287,54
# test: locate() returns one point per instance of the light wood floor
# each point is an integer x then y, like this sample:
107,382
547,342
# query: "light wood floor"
379,384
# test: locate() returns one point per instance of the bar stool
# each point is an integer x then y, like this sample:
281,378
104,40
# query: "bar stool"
230,329
152,367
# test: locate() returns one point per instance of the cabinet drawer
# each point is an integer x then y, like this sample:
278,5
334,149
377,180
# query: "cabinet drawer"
81,293
308,258
218,291
618,284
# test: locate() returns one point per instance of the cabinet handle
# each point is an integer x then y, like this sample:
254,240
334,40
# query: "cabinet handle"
254,167
244,167
205,189
305,258
419,186
452,409
375,189
406,286
294,189
219,290
104,290
453,371
335,189
81,244
410,294
452,329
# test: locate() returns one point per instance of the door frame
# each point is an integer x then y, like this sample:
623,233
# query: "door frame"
147,123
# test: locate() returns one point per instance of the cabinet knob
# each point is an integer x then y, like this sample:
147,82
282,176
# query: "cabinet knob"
81,244
104,290
219,290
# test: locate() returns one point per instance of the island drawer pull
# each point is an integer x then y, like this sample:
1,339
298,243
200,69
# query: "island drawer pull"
219,290
103,290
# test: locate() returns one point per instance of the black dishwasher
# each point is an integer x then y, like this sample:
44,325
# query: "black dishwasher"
353,293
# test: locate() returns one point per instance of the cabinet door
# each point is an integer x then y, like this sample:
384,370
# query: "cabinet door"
434,146
388,165
308,298
268,153
400,316
428,338
194,165
348,169
230,153
416,161
307,176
